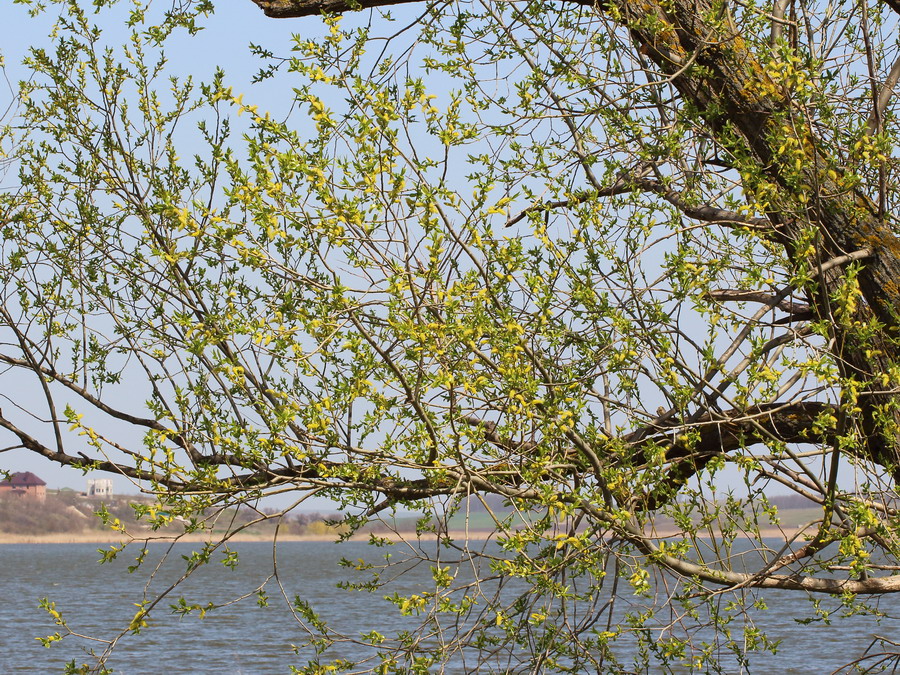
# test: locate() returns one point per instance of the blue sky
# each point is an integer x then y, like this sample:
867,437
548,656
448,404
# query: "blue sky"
225,43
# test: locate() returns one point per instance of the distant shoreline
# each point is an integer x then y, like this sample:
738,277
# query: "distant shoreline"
95,537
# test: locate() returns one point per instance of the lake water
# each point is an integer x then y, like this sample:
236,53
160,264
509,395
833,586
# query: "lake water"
244,638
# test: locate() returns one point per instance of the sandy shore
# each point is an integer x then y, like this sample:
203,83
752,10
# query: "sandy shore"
95,537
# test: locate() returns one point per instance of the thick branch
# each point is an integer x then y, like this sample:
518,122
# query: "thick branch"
724,432
714,434
793,582
289,9
625,185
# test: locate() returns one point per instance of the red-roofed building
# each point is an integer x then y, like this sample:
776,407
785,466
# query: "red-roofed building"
24,484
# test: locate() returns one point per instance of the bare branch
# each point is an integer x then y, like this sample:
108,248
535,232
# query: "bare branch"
884,96
778,20
82,460
738,295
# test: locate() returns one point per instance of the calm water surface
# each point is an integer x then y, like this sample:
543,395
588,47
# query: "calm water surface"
244,638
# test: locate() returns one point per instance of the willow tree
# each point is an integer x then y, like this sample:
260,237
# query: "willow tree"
614,270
